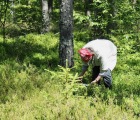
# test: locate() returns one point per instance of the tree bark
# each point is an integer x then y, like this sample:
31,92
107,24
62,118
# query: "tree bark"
66,51
88,7
3,15
12,10
45,16
50,6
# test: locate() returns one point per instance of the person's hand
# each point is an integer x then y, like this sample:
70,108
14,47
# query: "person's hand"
93,82
80,78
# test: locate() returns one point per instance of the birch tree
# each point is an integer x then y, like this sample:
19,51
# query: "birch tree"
45,16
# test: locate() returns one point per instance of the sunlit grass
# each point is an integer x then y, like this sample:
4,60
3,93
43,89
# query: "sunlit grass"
29,91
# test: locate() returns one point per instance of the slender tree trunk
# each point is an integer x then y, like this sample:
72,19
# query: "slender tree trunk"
3,15
88,7
45,15
66,50
50,6
12,10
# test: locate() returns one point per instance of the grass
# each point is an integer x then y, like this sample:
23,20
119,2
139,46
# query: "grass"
33,87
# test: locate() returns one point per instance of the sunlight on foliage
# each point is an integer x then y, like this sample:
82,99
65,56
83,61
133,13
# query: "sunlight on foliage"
32,92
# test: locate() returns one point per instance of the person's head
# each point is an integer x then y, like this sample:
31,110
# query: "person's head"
85,54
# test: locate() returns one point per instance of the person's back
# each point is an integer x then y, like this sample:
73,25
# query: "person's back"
102,47
104,58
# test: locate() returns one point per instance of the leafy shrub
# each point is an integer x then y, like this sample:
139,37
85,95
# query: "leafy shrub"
37,49
30,92
2,53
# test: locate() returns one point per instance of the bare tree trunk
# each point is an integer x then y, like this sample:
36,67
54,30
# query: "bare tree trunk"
45,15
88,7
50,6
12,10
66,50
3,15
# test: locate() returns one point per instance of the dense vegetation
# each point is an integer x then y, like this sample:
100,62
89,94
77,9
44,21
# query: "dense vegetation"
34,87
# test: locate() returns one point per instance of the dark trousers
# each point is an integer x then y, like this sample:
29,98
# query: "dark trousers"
107,78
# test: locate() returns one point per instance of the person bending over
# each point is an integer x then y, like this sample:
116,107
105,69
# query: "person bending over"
102,54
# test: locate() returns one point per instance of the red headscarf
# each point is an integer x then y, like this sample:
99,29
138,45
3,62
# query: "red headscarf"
85,54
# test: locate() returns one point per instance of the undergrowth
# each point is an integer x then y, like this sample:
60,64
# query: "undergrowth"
33,87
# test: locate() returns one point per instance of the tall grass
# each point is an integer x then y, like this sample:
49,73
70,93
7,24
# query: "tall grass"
33,87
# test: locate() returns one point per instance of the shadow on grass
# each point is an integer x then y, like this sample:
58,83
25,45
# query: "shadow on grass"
27,53
23,51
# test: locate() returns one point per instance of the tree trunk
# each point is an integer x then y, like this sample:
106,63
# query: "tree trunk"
45,15
66,50
3,15
12,11
88,4
50,6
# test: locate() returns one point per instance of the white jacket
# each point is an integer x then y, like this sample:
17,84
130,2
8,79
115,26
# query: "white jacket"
105,54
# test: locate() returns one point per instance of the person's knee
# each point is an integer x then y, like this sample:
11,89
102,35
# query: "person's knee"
108,79
108,83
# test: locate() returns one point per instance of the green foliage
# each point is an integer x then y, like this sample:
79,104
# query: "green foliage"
68,81
33,87
2,52
28,17
30,92
108,18
36,49
17,80
20,17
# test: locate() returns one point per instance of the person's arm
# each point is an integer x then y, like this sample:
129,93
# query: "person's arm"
96,80
102,66
84,69
82,73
